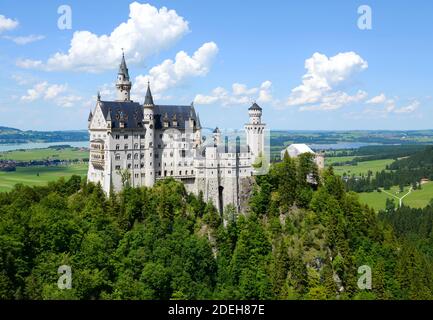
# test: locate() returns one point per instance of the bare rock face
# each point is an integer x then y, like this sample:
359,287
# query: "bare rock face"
246,187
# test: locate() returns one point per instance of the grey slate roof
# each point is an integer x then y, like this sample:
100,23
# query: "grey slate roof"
148,100
255,106
132,114
123,69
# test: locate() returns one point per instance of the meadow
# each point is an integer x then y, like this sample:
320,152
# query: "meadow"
39,175
416,199
361,168
43,154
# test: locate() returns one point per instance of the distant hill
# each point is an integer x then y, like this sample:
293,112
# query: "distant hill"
12,135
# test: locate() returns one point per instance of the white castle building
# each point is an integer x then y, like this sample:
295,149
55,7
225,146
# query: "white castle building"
138,144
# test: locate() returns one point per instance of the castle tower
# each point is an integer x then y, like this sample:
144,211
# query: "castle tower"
255,132
123,84
149,126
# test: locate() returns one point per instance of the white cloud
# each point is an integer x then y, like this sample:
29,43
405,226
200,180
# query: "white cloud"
377,99
28,63
170,73
240,94
317,91
390,107
146,32
51,92
409,108
336,100
23,40
7,24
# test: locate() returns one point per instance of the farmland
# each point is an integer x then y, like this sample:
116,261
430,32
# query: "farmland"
39,175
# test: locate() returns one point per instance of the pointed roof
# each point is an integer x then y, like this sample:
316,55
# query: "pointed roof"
90,116
148,100
198,121
123,69
255,106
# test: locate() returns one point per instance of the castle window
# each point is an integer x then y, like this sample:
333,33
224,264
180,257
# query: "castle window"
125,136
125,146
180,173
142,156
171,172
141,136
117,147
128,156
150,144
117,156
159,173
117,137
136,146
117,167
142,146
129,166
136,156
135,166
192,171
142,165
186,172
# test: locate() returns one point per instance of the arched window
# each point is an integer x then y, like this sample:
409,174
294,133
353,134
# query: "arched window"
128,156
136,156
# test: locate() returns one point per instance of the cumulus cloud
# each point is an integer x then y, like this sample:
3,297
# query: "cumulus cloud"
7,24
390,106
146,32
324,75
170,73
23,40
377,99
239,94
336,100
51,92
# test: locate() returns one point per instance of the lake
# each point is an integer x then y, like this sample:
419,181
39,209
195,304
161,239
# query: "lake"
42,145
341,145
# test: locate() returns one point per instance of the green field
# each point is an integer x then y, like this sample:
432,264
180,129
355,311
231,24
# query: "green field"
416,199
332,160
28,175
42,154
362,167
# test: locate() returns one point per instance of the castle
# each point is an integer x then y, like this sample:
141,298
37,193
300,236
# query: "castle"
139,144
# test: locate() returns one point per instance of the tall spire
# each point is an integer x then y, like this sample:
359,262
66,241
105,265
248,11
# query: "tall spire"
123,69
148,100
123,83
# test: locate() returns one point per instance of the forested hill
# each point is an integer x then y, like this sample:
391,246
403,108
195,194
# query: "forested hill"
418,160
298,241
12,135
407,171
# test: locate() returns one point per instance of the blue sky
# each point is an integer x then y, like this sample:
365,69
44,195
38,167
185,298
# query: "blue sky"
305,62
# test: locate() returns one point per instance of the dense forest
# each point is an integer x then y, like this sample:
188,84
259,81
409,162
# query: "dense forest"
407,171
300,239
